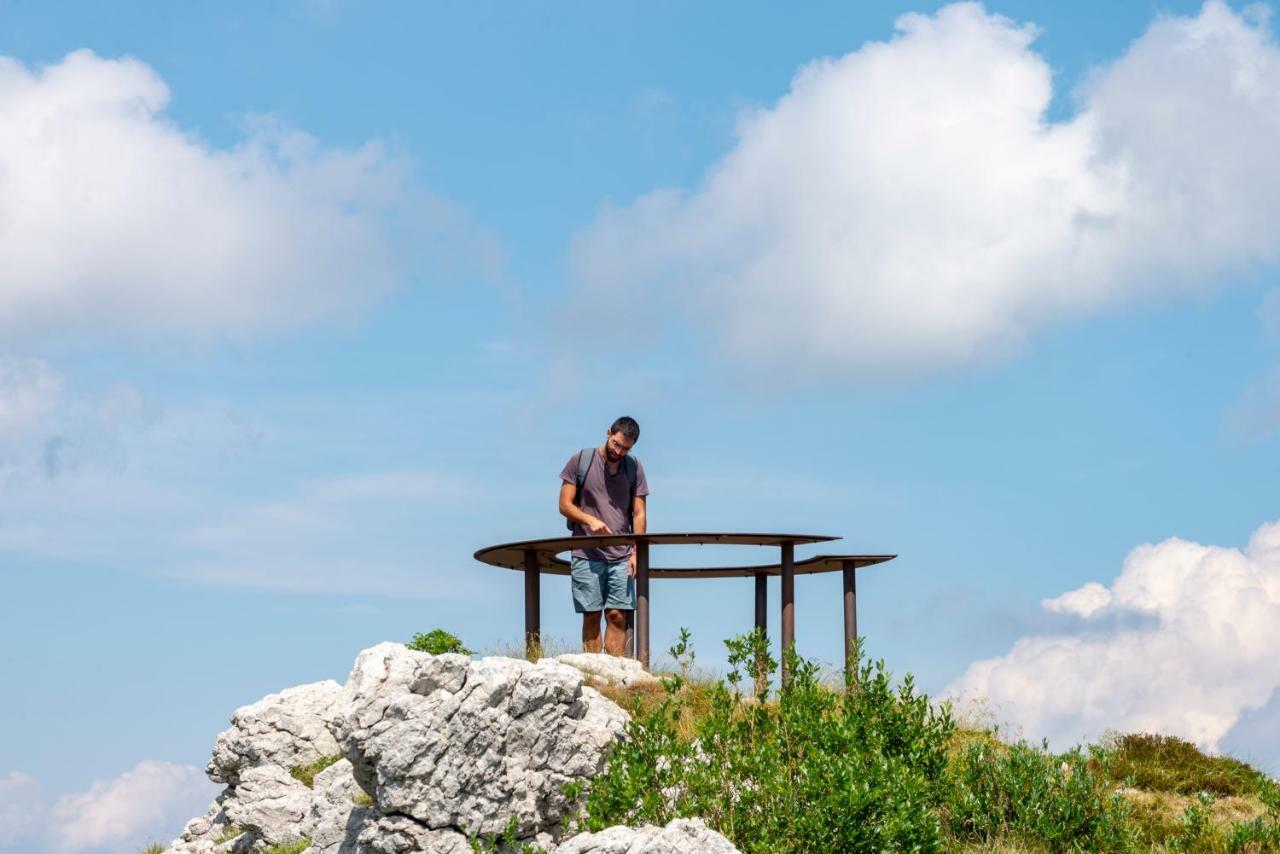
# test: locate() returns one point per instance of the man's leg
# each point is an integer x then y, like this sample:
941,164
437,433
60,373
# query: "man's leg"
620,598
615,639
586,582
591,631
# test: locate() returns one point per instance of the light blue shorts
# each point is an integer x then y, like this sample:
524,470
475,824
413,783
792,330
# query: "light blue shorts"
600,584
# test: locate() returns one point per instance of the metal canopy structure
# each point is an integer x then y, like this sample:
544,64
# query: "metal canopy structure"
534,557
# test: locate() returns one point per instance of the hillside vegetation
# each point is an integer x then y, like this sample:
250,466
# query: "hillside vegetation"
878,767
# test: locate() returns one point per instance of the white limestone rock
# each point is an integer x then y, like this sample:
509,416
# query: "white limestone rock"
286,730
402,835
271,804
605,669
457,743
211,833
335,819
446,746
682,836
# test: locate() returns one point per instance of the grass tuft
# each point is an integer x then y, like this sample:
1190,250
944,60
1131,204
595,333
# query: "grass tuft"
230,832
1163,763
297,846
306,774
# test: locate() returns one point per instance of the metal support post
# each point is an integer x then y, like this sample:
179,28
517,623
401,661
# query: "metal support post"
850,620
532,605
762,602
642,602
788,604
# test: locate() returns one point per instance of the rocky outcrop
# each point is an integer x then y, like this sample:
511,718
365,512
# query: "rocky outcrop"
285,730
473,744
436,751
682,836
604,669
264,804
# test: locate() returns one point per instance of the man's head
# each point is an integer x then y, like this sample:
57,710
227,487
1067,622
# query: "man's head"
622,435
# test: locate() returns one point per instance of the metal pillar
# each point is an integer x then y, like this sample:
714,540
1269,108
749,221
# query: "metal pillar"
788,603
532,605
642,602
762,602
850,620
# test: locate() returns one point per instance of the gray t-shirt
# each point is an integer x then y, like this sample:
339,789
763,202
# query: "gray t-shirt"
606,497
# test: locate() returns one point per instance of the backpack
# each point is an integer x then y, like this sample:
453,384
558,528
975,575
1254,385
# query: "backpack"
629,465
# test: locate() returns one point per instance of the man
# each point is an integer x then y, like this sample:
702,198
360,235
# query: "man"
603,579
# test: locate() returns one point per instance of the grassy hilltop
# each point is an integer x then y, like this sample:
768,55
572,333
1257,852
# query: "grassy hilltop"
813,767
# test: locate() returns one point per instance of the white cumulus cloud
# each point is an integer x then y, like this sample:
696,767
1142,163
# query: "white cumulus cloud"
115,220
1181,642
148,803
910,205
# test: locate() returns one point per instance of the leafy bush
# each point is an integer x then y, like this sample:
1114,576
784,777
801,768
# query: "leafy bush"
813,769
1020,791
437,642
153,848
506,842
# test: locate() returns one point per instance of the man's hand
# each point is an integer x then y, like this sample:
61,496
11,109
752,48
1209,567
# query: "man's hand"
631,564
597,527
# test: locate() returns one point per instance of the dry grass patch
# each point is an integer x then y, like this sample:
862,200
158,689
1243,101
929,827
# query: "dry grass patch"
1163,763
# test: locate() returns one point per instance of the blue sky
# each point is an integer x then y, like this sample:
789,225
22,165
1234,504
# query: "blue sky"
302,304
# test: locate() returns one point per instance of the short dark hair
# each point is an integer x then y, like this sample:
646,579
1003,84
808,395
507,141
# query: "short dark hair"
627,426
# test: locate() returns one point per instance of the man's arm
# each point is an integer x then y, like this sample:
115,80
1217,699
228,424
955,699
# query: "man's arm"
639,525
574,513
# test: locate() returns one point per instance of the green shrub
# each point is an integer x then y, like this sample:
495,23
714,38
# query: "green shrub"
1263,832
810,770
437,642
153,848
306,774
1061,802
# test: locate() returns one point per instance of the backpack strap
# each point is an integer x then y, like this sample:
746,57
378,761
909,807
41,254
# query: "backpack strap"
585,456
630,465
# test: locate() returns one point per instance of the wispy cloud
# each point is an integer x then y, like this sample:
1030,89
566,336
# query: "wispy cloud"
365,534
117,481
909,206
1256,416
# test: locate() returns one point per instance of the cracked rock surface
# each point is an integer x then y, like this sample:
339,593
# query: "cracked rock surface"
602,669
682,836
458,743
284,730
437,749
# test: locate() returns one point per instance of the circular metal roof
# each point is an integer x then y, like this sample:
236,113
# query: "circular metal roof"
511,555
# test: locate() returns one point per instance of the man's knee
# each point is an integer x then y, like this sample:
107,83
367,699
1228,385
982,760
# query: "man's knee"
616,617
